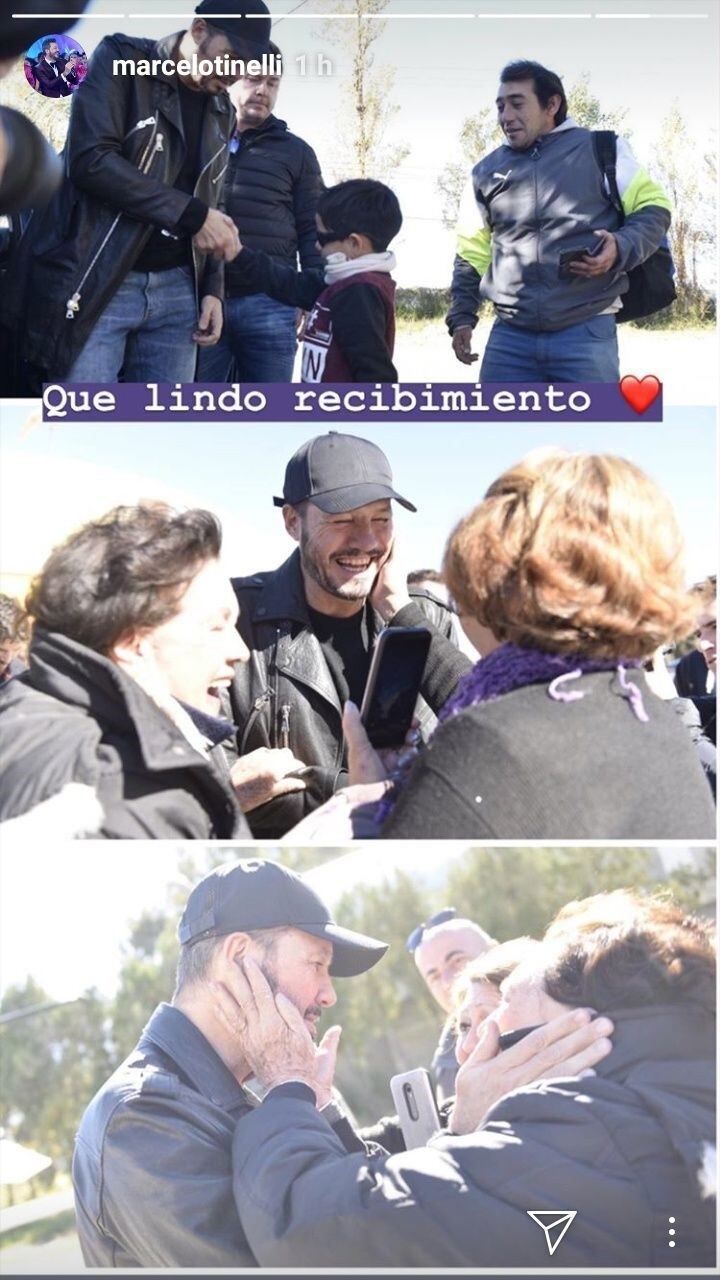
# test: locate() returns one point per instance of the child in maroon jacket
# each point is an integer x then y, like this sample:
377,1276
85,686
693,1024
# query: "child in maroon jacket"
349,332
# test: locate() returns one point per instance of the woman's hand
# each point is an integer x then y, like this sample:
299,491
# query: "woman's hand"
390,591
568,1045
271,1034
364,762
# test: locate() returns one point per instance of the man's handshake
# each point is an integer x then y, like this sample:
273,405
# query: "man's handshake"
218,235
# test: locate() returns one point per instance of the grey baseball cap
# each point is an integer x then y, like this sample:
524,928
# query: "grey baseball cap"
256,894
339,473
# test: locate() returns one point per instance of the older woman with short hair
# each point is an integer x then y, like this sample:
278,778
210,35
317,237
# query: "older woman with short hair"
623,1146
571,568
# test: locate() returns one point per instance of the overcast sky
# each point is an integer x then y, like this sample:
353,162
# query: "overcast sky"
639,55
56,476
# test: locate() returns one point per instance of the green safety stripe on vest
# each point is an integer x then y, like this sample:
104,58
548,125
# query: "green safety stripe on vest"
642,191
476,249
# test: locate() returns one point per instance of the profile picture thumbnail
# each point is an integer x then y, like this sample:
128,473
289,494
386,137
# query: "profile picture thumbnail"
55,66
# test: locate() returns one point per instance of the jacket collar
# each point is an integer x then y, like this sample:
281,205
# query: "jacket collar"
273,124
181,1040
284,594
656,1033
82,678
300,656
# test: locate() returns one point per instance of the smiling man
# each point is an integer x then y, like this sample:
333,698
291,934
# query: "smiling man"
311,624
152,1168
542,236
128,256
134,644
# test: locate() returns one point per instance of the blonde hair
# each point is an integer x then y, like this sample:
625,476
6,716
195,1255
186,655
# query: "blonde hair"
573,553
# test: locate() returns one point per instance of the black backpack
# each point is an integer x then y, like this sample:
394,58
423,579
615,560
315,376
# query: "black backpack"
651,283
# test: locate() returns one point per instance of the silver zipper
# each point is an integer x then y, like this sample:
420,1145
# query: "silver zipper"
72,306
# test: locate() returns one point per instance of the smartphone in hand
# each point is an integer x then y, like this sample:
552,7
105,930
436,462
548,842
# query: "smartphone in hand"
576,255
415,1104
393,684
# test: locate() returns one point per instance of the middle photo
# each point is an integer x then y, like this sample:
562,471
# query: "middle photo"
322,636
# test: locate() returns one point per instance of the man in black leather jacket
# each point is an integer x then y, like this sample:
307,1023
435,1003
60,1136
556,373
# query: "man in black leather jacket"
122,274
311,624
152,1167
271,190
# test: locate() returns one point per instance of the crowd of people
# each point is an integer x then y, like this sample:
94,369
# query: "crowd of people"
193,233
585,1082
164,698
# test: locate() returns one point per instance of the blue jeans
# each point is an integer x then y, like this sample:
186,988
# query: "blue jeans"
258,343
145,332
585,352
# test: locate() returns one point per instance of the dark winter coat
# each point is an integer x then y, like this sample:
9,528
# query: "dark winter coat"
288,670
524,766
624,1150
125,147
75,717
272,186
152,1166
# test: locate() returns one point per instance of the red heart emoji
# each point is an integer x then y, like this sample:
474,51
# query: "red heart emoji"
640,392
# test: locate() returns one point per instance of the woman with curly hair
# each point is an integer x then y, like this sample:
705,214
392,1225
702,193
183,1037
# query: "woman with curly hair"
571,571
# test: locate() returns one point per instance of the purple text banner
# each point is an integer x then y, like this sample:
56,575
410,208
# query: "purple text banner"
637,400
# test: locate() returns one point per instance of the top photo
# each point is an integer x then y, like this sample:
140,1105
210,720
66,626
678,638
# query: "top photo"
358,191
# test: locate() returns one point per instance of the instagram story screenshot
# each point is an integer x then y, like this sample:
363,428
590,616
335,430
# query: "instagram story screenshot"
358,576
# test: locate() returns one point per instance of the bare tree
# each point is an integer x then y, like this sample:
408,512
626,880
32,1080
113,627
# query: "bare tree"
367,110
689,177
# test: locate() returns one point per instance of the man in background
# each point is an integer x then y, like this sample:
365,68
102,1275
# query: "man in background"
442,947
271,191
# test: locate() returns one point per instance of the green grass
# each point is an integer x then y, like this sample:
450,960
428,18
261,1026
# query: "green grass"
39,1232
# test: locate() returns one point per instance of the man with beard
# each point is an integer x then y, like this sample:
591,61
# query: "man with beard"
152,1164
311,625
50,71
126,261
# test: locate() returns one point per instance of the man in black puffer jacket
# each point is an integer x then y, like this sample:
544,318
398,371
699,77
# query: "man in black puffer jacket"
272,186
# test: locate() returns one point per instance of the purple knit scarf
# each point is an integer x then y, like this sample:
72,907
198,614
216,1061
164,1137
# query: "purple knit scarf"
512,667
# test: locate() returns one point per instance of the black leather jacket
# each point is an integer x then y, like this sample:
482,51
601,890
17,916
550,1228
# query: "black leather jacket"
152,1167
285,695
125,147
75,717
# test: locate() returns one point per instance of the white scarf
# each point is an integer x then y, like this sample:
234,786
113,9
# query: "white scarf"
338,267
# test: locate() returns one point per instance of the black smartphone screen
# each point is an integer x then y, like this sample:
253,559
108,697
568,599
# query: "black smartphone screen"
394,683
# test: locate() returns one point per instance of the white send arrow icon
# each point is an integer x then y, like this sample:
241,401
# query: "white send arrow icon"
554,1223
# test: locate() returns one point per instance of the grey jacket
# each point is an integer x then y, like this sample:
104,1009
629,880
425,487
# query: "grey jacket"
525,208
285,696
624,1149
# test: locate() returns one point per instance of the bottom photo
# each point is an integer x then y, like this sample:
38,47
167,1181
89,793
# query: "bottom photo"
436,1056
